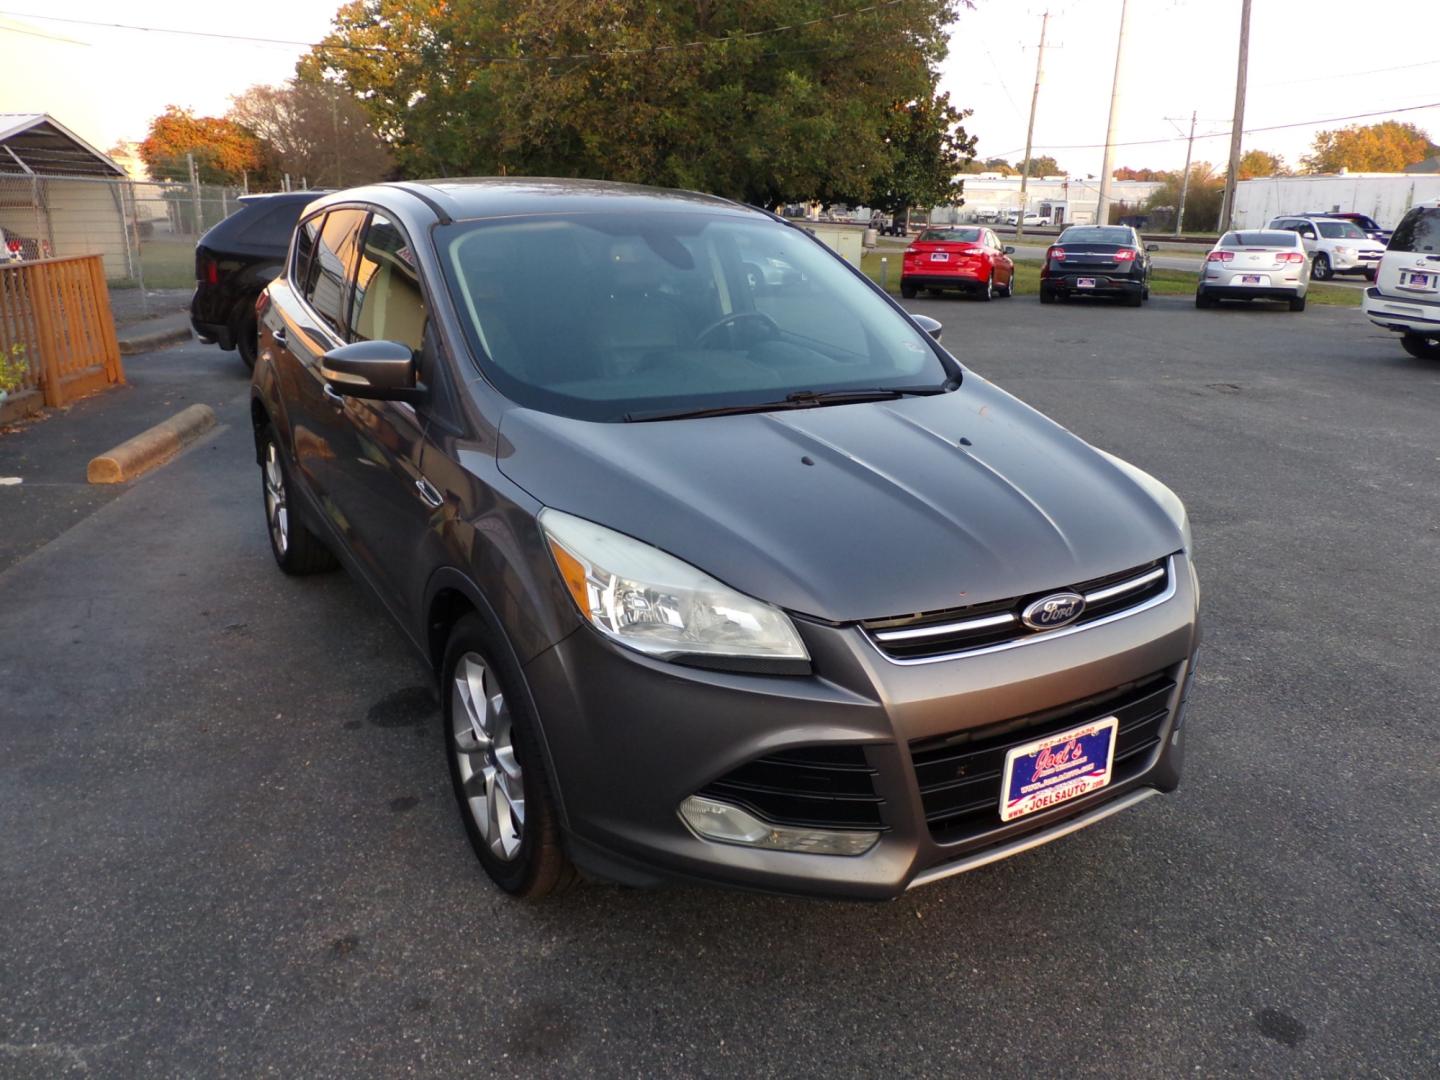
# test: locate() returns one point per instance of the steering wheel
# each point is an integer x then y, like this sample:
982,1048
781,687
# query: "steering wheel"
735,317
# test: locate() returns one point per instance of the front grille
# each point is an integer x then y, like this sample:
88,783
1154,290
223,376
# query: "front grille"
828,787
960,774
978,626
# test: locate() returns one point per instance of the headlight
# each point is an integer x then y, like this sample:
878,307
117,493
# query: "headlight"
1340,249
656,604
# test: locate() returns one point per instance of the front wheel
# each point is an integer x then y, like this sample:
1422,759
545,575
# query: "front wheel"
496,769
1322,271
1420,346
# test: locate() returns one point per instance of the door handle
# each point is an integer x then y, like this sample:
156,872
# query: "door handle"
428,492
335,398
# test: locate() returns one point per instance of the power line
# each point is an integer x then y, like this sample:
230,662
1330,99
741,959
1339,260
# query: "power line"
1226,134
599,54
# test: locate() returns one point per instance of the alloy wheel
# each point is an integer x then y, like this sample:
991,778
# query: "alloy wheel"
482,739
277,514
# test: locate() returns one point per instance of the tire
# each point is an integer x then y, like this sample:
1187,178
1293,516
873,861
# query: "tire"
297,550
1321,270
1046,295
501,788
1202,301
247,337
988,293
1145,293
1134,299
1420,346
907,291
1297,303
1009,286
1371,275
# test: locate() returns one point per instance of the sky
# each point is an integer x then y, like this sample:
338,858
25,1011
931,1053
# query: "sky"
1310,60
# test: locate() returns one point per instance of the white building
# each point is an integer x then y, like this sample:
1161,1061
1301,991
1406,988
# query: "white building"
1061,200
1384,196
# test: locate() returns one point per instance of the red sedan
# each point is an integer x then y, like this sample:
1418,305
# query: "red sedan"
966,257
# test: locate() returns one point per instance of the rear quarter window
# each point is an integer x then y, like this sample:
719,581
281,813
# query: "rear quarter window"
1419,230
270,226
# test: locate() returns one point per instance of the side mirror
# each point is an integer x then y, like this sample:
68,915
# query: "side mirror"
378,370
929,325
1009,251
1152,247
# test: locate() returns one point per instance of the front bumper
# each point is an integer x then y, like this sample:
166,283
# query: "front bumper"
1405,314
630,738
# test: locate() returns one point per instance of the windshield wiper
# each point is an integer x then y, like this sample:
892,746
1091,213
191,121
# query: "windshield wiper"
799,399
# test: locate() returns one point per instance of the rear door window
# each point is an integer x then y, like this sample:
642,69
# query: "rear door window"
1419,230
333,266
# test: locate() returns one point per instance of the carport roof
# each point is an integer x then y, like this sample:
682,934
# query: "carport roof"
38,144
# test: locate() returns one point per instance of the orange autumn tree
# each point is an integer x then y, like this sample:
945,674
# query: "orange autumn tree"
224,151
1385,147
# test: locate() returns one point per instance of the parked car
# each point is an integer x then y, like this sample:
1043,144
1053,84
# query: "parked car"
17,248
964,257
1031,218
1097,260
1368,225
1334,246
1406,294
1255,265
234,260
718,584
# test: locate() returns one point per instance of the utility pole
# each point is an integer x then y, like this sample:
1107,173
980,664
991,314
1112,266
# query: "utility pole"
195,191
1227,205
1102,206
1030,129
1185,181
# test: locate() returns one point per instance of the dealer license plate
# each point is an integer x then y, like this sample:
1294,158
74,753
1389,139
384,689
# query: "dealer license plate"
1250,279
1410,279
1057,768
939,256
1085,283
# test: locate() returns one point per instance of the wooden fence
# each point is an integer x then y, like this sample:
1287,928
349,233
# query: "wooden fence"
58,311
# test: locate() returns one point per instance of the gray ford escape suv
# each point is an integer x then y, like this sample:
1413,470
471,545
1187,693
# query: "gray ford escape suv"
726,570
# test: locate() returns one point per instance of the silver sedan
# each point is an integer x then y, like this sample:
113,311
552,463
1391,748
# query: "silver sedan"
1263,264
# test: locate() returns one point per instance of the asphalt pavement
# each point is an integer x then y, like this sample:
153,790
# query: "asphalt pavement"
230,848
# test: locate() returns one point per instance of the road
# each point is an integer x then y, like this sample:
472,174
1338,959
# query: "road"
229,846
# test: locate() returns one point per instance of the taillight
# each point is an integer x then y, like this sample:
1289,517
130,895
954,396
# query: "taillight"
1220,256
212,271
1056,253
262,302
1125,255
13,245
1290,257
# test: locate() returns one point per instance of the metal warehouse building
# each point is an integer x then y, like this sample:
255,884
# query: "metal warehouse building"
1384,196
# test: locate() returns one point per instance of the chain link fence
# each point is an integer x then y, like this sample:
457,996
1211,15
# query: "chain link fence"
145,231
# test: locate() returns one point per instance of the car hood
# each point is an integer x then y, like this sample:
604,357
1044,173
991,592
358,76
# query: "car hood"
856,511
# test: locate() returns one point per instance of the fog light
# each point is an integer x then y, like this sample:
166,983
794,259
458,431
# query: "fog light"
713,820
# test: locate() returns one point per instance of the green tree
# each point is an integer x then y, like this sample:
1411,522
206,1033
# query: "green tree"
1040,166
927,149
1388,146
994,164
619,89
1202,200
1260,163
1125,172
224,152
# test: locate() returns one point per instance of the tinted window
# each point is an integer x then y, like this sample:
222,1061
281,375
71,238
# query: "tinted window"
1097,234
304,248
270,226
1419,230
388,304
1258,239
954,236
333,264
601,315
1340,230
1304,228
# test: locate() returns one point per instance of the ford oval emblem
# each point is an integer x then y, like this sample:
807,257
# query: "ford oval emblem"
1049,612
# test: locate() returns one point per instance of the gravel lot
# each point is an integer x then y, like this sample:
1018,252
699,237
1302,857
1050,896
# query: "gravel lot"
229,846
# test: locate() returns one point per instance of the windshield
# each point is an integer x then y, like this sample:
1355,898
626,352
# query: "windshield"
1340,230
596,316
1258,239
1097,234
954,236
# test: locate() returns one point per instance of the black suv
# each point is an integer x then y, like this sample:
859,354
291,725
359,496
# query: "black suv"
235,260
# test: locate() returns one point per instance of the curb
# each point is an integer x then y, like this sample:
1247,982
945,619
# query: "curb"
137,456
160,338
